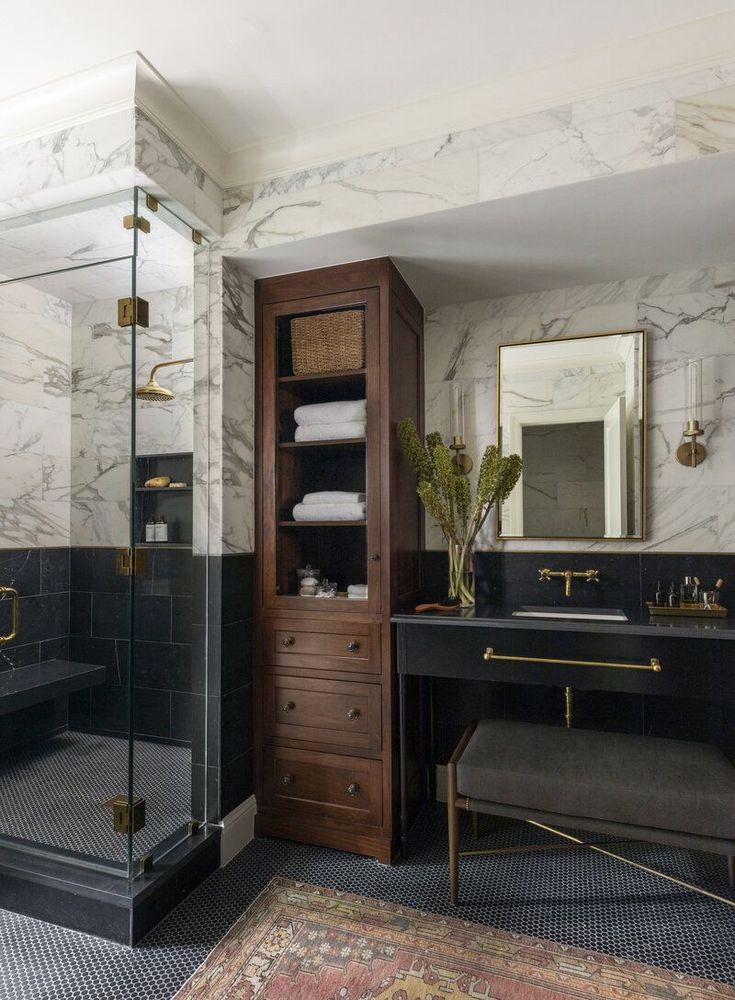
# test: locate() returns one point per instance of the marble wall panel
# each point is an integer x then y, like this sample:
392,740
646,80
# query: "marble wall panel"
101,434
91,158
35,406
705,123
685,316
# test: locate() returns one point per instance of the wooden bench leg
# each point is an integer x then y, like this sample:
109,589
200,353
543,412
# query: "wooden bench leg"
731,869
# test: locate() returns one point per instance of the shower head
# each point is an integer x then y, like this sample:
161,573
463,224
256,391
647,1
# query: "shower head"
152,392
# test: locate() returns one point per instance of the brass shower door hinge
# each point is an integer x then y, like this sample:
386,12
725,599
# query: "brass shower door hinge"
136,222
131,311
127,816
151,202
131,562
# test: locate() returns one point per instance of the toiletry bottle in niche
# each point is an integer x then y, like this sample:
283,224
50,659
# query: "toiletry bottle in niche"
673,601
150,530
161,531
660,598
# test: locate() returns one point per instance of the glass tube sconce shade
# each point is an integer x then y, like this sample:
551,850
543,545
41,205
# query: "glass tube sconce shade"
462,462
691,453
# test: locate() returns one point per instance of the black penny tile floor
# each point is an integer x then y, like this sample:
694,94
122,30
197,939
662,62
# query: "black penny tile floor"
575,897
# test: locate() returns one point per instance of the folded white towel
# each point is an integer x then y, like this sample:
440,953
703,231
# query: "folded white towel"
331,413
334,496
357,597
357,590
330,432
329,511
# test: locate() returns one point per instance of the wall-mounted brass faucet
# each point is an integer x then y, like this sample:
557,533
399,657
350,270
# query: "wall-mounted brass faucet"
590,575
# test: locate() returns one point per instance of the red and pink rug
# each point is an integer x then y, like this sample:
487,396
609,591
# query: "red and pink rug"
302,942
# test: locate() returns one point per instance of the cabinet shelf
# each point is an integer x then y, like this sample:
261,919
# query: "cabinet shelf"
323,377
342,442
322,524
163,489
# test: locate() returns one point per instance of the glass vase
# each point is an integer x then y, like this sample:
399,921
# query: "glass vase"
461,575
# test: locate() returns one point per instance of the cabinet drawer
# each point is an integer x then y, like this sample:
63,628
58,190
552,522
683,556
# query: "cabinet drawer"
325,786
305,708
323,646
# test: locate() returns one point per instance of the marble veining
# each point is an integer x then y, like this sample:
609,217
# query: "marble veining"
684,315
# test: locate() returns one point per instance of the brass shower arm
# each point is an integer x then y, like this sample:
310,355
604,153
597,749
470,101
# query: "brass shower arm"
165,364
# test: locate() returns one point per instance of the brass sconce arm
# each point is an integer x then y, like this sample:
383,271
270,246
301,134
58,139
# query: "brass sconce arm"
590,575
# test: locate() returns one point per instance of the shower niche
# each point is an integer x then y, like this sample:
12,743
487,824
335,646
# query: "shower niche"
171,503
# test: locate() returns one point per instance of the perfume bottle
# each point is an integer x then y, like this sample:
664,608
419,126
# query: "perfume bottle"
688,591
161,531
673,598
150,530
660,599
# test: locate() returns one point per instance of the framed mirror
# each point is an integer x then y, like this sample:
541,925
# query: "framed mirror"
575,411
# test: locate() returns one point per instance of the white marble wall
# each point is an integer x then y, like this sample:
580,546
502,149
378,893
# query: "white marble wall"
35,394
101,442
640,128
685,316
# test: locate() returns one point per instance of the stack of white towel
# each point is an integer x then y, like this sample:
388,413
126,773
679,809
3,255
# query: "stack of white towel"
331,421
357,592
331,505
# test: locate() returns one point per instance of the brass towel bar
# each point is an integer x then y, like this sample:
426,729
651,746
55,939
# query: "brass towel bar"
654,663
15,612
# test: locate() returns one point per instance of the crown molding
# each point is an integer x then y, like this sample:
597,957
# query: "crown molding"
685,48
121,84
72,100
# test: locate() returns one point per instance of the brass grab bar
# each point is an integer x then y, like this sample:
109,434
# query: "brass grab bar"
16,613
654,664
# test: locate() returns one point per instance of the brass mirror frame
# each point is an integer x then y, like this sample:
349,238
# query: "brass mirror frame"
644,440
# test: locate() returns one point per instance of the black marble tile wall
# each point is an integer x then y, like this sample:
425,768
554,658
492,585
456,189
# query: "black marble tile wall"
627,581
100,632
41,576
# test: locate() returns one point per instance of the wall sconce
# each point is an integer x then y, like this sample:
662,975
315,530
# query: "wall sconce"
692,453
462,463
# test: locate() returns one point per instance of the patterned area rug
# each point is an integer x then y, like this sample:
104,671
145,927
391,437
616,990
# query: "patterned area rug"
302,942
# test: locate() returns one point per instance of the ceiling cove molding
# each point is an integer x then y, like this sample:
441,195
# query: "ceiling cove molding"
685,48
118,85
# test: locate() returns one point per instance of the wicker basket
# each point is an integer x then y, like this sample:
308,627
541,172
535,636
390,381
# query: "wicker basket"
328,342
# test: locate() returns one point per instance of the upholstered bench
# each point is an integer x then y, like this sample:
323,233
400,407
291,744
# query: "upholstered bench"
637,787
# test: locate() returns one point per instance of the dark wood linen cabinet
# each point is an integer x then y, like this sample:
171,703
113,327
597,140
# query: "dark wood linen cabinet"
324,667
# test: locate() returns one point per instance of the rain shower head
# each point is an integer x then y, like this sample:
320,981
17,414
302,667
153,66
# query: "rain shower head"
152,392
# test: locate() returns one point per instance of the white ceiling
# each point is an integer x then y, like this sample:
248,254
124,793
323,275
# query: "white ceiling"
259,70
672,218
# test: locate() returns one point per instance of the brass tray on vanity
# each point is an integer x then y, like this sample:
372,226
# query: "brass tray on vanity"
687,611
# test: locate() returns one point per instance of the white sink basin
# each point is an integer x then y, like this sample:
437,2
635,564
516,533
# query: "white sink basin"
573,614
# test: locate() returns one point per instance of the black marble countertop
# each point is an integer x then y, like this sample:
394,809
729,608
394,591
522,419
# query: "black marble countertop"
639,623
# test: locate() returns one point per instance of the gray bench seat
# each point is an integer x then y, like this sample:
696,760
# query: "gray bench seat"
637,780
39,682
640,787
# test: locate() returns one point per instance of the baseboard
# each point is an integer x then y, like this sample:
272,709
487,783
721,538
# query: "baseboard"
238,829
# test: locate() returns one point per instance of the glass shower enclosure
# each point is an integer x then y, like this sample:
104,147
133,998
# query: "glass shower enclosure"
103,687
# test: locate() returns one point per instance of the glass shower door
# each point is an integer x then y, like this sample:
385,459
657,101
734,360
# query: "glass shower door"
168,720
65,519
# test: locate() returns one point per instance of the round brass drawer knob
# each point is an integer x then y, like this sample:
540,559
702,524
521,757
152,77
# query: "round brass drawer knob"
352,646
288,641
287,779
289,706
353,713
353,789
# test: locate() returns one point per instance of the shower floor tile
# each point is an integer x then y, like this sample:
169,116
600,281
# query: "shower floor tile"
52,794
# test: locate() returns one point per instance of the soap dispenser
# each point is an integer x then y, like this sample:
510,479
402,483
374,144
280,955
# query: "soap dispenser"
161,531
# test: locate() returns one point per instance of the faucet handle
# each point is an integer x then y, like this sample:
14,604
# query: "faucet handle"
544,574
593,575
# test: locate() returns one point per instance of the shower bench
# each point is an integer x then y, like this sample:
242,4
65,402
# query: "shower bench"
39,682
